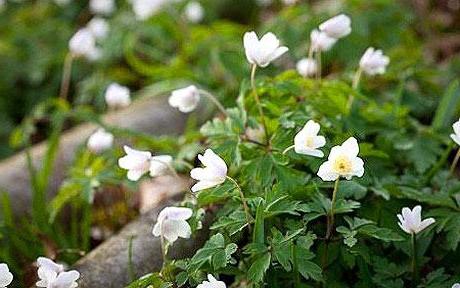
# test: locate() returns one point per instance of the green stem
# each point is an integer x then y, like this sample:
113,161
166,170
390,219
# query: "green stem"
243,200
454,163
257,99
164,250
414,260
214,100
330,222
295,268
66,73
354,85
288,148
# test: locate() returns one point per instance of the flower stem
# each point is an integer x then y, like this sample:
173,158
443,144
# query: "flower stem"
288,148
257,99
66,73
354,85
243,200
214,100
454,163
330,218
414,260
164,250
318,60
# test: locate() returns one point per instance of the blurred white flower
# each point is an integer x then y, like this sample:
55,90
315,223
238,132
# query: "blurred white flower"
289,2
343,161
213,174
456,285
99,27
144,9
104,7
100,141
320,41
160,165
256,134
307,140
307,67
212,283
5,276
456,135
262,52
171,223
411,220
336,27
117,96
52,279
83,44
48,264
136,162
194,12
374,62
185,99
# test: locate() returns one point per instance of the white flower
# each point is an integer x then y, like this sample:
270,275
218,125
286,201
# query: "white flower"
307,67
374,62
343,161
411,221
46,263
213,174
336,27
136,162
99,27
456,285
456,135
194,12
320,41
185,99
52,279
262,52
117,96
100,141
105,7
160,165
171,223
83,43
289,2
307,140
212,283
144,9
5,276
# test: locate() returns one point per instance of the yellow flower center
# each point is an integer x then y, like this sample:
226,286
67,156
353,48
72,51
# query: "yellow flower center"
309,141
342,165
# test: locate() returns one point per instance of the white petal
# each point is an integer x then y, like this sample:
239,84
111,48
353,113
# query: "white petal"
456,138
135,174
176,213
67,279
49,264
425,223
212,160
173,229
278,52
325,172
351,147
157,229
202,185
358,167
251,44
312,128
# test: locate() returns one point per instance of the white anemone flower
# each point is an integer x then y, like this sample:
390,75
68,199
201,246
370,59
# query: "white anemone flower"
83,44
343,161
185,99
456,135
456,285
5,276
100,141
160,165
307,67
214,173
99,27
212,283
144,9
320,41
104,7
194,12
52,279
172,224
411,220
117,96
307,140
262,52
337,27
136,162
46,263
373,62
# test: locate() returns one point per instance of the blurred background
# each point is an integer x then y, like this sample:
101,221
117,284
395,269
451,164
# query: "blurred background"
170,45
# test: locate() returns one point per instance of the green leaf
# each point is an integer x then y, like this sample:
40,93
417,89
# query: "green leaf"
448,106
257,270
